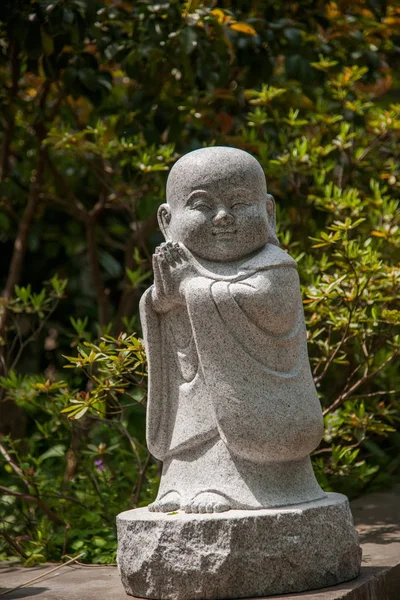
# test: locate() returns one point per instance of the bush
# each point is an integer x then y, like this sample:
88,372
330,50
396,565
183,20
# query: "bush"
99,98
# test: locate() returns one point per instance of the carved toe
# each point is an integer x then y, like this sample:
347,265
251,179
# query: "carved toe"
167,503
207,502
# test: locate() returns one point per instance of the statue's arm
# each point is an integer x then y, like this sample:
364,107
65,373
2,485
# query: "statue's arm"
271,298
158,408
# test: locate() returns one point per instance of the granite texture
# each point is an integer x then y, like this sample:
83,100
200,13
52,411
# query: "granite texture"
237,554
232,408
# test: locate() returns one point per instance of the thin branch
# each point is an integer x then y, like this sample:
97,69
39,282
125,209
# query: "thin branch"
132,442
92,566
15,66
344,336
21,240
65,542
33,337
97,277
129,297
357,384
70,499
17,338
65,190
372,394
34,500
113,243
77,209
99,173
372,145
11,542
336,350
321,451
92,253
71,208
351,312
17,470
139,485
57,568
329,450
100,495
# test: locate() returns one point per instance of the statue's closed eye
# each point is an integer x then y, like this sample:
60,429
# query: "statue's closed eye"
200,206
240,204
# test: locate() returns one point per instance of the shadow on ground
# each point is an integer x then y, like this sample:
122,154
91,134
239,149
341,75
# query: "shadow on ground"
25,592
388,534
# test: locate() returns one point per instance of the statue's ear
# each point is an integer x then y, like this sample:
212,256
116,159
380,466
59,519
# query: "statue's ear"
271,210
164,219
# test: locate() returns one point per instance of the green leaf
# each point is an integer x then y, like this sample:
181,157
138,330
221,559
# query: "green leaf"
335,284
81,413
99,542
57,451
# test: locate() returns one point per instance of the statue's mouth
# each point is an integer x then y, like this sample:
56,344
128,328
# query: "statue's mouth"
224,232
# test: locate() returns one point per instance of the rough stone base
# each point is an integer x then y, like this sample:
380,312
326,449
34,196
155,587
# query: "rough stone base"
237,554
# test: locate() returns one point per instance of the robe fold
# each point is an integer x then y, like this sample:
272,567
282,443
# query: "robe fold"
233,365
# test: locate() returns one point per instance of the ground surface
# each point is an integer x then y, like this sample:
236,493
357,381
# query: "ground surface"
377,518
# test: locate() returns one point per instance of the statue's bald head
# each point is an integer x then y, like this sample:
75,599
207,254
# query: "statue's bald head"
213,168
217,204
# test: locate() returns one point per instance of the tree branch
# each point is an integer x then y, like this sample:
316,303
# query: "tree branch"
71,208
21,241
65,191
17,470
357,384
135,495
33,337
372,394
13,544
77,209
129,297
97,277
34,500
15,65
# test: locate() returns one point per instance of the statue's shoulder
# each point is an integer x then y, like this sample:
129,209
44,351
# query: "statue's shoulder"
269,257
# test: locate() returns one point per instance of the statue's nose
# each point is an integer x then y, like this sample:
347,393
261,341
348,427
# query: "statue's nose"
222,217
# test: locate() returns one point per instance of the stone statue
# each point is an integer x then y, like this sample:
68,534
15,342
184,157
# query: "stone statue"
232,408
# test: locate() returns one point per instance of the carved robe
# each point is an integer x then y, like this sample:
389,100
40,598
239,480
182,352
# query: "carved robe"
232,365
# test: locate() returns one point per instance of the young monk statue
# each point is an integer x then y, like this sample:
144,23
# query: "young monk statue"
232,408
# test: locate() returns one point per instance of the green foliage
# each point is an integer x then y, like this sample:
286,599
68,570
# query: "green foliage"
115,368
337,163
98,99
64,483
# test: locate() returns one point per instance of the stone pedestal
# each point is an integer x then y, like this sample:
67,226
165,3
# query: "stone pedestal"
239,553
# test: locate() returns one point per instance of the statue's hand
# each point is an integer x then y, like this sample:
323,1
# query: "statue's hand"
172,270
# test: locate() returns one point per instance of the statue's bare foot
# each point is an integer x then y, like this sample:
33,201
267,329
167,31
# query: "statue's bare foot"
168,503
207,502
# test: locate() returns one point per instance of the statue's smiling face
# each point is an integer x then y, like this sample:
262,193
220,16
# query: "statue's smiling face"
227,225
217,208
